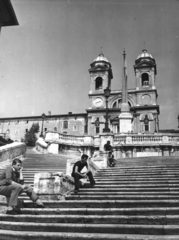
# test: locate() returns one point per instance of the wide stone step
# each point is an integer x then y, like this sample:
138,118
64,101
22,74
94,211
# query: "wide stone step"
131,178
103,211
139,171
121,180
121,197
131,185
107,203
91,228
87,192
133,169
116,168
114,197
35,235
118,182
94,219
142,174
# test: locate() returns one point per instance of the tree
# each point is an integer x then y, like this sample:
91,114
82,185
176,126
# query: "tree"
30,136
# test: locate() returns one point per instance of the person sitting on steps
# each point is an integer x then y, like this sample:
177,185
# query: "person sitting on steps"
77,175
111,160
12,185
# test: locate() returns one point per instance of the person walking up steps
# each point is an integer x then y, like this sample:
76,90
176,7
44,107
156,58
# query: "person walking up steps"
12,185
76,173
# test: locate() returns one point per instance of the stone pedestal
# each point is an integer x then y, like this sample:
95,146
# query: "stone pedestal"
53,148
165,151
125,122
48,184
101,160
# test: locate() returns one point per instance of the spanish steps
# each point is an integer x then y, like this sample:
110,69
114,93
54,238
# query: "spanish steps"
138,199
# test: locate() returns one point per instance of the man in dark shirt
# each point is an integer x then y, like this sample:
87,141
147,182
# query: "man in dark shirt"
76,173
108,147
12,185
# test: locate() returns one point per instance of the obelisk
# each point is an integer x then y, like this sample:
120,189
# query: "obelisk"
125,117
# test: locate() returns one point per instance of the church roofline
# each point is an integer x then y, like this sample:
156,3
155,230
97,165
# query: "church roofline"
46,117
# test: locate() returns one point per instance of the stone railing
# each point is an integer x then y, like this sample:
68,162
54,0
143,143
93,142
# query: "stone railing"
140,139
12,150
122,139
68,139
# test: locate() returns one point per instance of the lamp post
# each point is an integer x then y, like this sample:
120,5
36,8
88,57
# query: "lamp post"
155,124
43,118
106,94
178,121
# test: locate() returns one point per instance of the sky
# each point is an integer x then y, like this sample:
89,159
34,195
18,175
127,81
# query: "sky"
44,61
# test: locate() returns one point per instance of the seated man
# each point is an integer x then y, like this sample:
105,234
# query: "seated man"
111,160
12,185
108,147
76,173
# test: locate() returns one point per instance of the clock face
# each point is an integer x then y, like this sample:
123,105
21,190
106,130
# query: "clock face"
98,102
145,99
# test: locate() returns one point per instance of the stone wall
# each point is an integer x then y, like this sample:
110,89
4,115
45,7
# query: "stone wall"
12,150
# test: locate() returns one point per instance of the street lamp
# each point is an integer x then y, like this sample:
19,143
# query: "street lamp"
106,94
43,118
178,121
155,119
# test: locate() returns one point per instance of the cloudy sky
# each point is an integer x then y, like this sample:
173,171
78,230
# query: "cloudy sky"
44,61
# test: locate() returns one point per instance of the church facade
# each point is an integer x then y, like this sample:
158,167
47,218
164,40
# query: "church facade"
142,102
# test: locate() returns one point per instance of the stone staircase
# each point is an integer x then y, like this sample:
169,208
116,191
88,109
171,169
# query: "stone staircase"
138,199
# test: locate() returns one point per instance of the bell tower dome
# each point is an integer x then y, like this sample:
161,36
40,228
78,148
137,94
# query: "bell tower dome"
145,71
100,74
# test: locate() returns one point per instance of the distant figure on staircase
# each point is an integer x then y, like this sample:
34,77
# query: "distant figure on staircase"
76,173
111,161
12,185
108,147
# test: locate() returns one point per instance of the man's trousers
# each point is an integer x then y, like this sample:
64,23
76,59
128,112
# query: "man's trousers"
12,192
77,177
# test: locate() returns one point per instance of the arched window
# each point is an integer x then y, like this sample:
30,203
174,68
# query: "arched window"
145,80
99,83
117,103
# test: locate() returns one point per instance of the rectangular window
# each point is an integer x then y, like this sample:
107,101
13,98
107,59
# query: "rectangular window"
146,127
65,124
97,130
74,128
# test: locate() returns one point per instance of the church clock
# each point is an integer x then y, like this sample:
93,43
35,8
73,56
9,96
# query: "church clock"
98,102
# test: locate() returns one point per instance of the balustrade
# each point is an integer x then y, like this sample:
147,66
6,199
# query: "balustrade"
143,139
66,139
118,139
